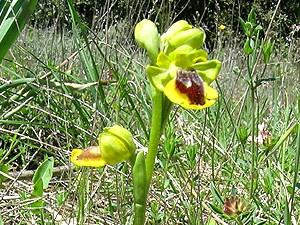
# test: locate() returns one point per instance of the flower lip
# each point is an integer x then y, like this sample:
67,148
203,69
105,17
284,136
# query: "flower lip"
91,152
190,83
90,156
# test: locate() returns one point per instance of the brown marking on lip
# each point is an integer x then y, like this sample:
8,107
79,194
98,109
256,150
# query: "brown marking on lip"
190,83
91,152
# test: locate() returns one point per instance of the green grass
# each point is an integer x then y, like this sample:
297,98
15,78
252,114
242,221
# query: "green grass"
204,156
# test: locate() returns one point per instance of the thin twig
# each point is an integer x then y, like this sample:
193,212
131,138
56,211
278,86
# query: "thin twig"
28,174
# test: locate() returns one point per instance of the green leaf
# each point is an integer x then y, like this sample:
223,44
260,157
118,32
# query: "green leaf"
287,214
13,17
37,189
243,24
212,222
44,173
265,80
282,138
257,29
3,169
1,220
61,198
267,50
252,17
216,209
37,192
242,134
216,194
248,217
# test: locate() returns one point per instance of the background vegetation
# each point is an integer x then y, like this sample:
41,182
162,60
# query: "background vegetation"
67,78
207,14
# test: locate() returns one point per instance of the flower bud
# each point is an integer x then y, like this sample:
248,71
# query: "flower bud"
115,145
147,37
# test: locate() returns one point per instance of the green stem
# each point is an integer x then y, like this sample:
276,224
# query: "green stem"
239,221
155,133
252,88
139,214
253,149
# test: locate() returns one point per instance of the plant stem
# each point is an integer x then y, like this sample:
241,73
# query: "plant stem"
238,220
139,214
253,149
155,133
252,88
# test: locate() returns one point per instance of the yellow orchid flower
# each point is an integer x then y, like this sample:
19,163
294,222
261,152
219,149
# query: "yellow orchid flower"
184,76
181,70
115,145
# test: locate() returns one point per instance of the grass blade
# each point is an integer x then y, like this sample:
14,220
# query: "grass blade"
13,19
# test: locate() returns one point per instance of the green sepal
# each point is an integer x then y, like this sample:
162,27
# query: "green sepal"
158,77
177,27
116,144
122,134
208,70
184,56
147,37
163,60
193,37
